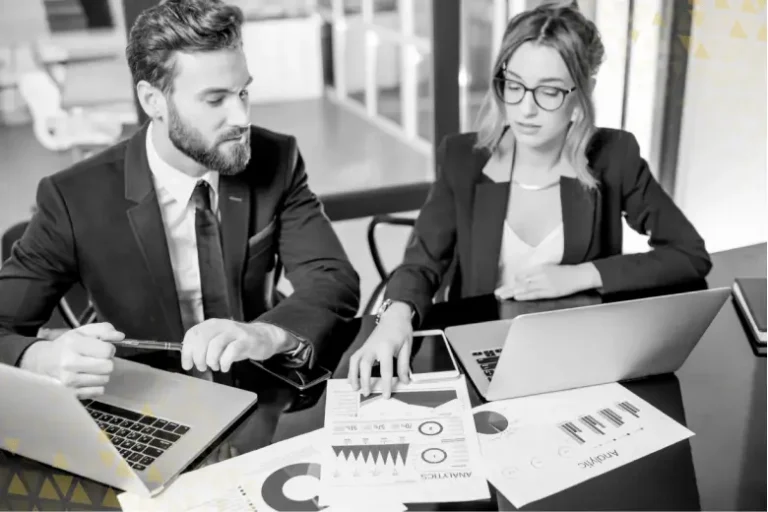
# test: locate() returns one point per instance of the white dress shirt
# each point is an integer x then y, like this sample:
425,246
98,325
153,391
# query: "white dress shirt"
174,193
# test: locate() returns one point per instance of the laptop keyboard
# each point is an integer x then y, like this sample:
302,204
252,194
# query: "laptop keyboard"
487,359
139,438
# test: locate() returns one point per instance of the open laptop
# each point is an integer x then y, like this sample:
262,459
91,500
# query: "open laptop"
147,427
584,346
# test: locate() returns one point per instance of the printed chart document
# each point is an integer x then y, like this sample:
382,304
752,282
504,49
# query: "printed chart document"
537,446
419,445
280,477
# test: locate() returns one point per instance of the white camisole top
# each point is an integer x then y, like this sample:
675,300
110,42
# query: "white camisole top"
516,255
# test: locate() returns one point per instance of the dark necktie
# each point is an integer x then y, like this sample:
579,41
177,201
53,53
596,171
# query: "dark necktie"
213,281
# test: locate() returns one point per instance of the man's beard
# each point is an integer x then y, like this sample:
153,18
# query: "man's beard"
190,141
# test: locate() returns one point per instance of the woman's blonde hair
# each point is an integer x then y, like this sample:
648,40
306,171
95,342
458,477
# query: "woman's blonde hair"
560,26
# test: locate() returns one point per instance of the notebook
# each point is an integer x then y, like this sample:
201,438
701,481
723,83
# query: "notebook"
750,297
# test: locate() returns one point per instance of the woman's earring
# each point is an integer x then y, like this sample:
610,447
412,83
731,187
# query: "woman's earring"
576,115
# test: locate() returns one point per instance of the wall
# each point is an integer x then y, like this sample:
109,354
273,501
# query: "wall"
721,176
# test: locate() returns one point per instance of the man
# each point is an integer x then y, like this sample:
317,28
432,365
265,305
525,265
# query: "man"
175,232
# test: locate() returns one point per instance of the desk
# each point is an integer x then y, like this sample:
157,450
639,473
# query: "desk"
720,394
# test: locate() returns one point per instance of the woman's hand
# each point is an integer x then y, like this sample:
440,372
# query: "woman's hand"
551,281
391,338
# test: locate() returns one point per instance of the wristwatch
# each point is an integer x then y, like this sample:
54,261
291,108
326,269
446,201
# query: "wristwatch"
385,306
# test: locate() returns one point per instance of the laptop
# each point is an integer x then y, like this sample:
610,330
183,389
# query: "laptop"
147,427
584,346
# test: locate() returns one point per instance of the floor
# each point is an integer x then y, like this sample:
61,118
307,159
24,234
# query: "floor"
342,151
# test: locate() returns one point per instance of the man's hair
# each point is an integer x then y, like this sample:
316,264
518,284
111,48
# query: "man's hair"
179,26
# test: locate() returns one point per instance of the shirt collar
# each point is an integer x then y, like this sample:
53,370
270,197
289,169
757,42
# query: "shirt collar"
176,183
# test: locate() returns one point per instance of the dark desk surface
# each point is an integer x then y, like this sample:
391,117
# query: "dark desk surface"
720,394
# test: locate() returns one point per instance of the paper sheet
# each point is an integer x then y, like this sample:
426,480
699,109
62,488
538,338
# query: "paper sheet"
420,445
284,476
537,446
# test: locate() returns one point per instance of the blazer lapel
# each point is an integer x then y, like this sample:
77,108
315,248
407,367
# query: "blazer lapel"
147,224
579,208
488,213
489,208
234,206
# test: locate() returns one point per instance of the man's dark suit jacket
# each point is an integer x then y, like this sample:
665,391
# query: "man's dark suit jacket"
462,219
99,223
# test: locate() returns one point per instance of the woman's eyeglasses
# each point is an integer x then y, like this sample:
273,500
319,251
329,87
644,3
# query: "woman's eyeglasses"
547,97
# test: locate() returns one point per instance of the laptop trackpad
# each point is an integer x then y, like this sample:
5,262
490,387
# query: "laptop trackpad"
134,381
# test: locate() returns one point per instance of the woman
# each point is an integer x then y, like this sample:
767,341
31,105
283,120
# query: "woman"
531,205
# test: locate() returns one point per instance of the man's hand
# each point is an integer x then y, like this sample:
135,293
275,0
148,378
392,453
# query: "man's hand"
551,281
392,337
80,359
217,343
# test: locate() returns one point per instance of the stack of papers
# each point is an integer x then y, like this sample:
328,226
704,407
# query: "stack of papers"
536,446
373,454
283,476
419,445
427,445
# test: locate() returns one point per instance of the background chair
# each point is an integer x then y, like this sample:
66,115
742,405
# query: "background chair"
58,129
377,297
450,281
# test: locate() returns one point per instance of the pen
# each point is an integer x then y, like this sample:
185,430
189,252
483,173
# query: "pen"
148,344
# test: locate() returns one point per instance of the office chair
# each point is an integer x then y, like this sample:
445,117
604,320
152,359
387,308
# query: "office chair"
59,129
451,279
75,308
377,297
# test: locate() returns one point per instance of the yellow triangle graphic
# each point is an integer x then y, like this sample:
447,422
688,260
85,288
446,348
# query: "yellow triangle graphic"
153,475
35,509
12,443
107,457
63,482
48,491
738,31
31,479
701,52
748,6
686,40
123,469
761,35
17,486
722,4
79,496
59,461
761,4
635,35
146,410
104,438
110,499
657,20
697,17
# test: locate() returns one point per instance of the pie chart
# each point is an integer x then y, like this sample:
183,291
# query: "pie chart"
490,422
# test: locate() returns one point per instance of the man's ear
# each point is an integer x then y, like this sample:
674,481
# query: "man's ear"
152,100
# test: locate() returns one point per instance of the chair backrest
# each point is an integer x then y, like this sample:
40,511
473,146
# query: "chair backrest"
449,288
75,307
